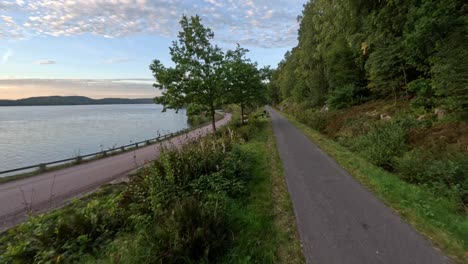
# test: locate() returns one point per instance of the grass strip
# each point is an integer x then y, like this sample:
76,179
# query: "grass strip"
268,232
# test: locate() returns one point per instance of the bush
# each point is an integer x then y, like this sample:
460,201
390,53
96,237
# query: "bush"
192,232
313,118
425,95
381,145
445,173
82,228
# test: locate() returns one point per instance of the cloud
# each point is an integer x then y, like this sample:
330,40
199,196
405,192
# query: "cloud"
94,88
117,60
8,26
45,62
234,21
6,56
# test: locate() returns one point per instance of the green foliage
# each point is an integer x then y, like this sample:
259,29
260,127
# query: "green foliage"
450,71
204,77
383,46
382,144
195,120
245,86
424,94
346,96
197,76
84,227
444,172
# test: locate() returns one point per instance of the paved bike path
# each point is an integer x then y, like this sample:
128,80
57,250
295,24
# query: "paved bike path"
339,221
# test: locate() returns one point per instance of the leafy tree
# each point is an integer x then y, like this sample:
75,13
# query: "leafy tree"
244,80
197,76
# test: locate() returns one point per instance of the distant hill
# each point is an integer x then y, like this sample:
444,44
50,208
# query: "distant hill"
72,100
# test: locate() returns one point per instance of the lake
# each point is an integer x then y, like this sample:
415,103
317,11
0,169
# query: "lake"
35,134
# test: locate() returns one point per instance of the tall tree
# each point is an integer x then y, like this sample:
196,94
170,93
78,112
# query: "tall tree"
244,85
197,76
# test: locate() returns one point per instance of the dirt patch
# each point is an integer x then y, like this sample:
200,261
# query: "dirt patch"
355,120
455,133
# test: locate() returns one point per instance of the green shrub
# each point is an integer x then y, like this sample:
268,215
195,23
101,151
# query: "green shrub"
313,118
83,228
425,94
192,232
444,172
381,145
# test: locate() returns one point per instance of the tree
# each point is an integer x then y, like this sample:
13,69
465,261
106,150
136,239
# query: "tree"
245,85
197,76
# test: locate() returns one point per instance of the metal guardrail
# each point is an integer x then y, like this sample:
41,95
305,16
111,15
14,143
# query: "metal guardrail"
121,149
103,153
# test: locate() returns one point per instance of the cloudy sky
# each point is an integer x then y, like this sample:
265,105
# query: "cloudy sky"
102,48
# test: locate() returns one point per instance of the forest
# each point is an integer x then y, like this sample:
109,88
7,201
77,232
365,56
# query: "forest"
353,51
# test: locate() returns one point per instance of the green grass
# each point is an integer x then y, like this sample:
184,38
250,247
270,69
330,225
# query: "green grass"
438,218
267,229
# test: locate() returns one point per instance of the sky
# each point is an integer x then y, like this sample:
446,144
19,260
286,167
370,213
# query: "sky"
102,48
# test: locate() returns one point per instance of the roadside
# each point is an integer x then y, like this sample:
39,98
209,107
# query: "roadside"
200,122
231,206
40,193
268,231
435,217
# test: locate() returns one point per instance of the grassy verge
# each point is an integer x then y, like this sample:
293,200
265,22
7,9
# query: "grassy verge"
438,218
220,199
267,228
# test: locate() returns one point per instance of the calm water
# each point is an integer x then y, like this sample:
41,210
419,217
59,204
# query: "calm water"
34,134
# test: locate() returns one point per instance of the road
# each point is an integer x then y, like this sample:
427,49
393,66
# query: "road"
54,189
339,221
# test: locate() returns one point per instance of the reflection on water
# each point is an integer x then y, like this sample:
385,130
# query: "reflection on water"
33,134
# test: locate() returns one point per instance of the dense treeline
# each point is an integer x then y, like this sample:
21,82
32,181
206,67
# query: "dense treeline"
350,51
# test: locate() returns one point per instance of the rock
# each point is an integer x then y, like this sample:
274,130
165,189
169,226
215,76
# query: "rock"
385,117
325,108
422,117
440,113
372,113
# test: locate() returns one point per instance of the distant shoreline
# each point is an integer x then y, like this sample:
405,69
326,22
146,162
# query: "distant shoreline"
72,100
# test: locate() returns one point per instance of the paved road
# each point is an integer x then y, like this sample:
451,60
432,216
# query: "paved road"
53,189
340,221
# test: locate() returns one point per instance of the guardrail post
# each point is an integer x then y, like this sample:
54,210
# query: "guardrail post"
78,159
42,167
122,148
147,142
136,145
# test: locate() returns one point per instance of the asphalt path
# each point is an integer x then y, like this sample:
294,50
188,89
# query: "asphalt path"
53,189
340,221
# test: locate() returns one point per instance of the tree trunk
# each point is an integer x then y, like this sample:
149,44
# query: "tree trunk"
213,119
242,114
